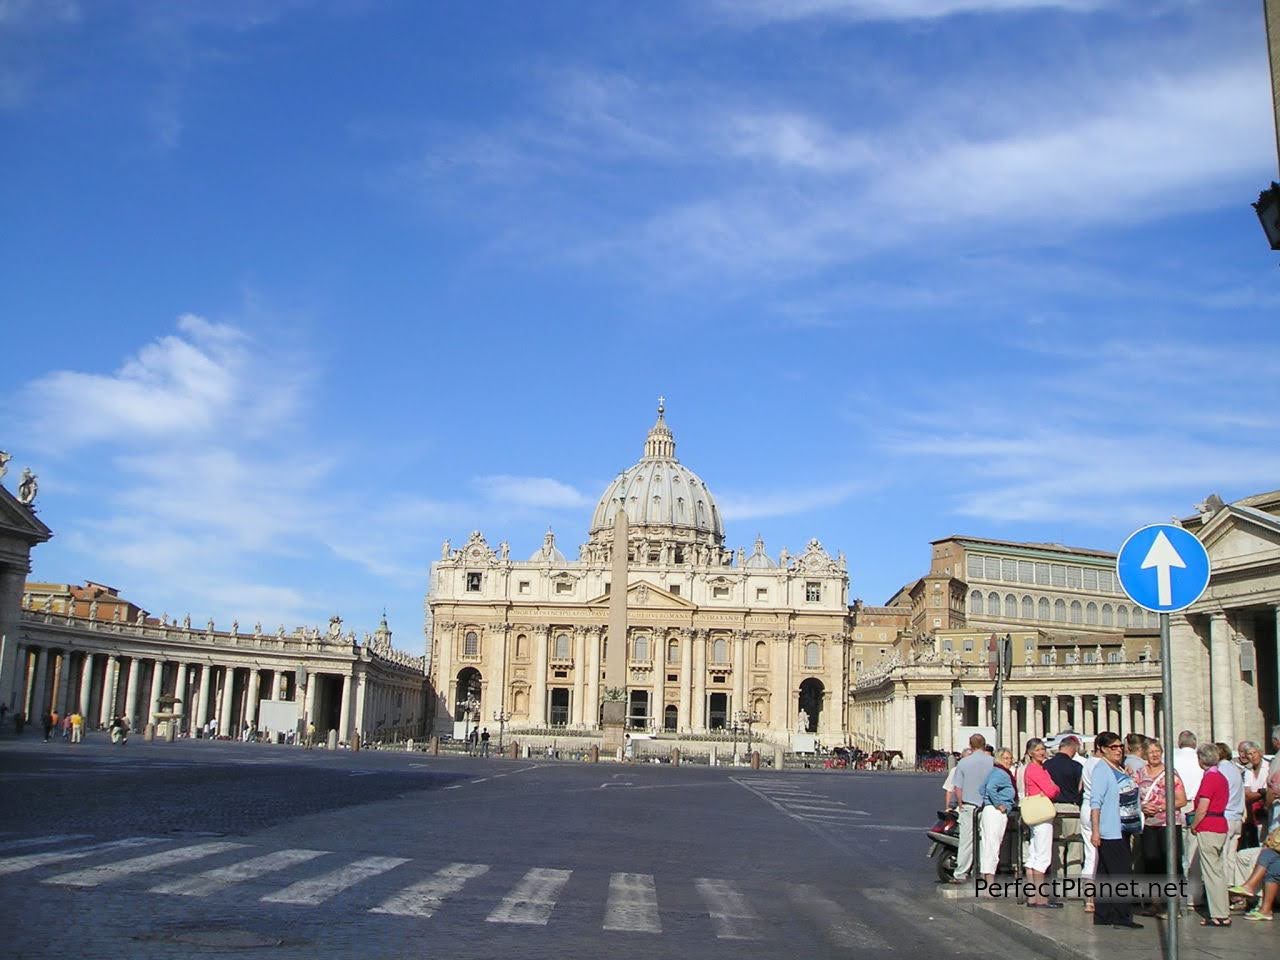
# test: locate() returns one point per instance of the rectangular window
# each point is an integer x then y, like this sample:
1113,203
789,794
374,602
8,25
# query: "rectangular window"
524,586
762,594
1115,657
975,568
857,665
1009,570
1026,571
720,593
1046,658
679,555
1059,573
654,556
968,647
606,588
473,583
1042,574
672,677
1091,580
1074,578
674,588
993,568
564,587
1105,581
718,678
560,674
812,591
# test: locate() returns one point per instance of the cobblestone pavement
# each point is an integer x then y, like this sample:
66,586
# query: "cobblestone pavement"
188,849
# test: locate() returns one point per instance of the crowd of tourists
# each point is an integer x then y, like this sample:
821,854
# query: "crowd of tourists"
1103,816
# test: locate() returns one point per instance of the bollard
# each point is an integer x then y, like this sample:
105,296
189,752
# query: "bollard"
408,745
513,750
149,732
755,759
778,757
355,743
434,746
593,755
675,756
333,740
170,732
715,760
524,751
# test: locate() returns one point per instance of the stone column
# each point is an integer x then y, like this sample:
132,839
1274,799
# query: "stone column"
698,719
1220,672
448,690
63,689
361,693
538,698
255,693
86,686
1149,716
947,728
110,681
12,583
277,685
684,719
579,715
1127,724
592,706
202,698
131,692
40,694
657,693
225,718
157,679
984,710
344,715
739,673
909,741
1007,733
497,699
180,694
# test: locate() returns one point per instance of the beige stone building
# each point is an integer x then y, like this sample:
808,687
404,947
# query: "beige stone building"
711,632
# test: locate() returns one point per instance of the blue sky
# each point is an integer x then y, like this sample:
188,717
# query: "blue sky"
297,289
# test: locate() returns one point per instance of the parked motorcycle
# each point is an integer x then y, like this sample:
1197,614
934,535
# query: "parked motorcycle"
945,837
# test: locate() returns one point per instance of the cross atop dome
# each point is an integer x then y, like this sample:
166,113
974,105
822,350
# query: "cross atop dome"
660,444
662,405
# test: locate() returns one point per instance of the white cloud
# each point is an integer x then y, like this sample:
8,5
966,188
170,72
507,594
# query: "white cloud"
785,502
763,10
532,492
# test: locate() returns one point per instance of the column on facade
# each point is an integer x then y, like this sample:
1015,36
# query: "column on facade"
836,691
107,705
497,698
86,685
739,673
157,678
362,691
202,698
579,716
228,685
984,709
1149,716
684,718
40,694
947,722
909,749
538,699
658,685
62,697
1077,713
699,718
180,696
277,684
1007,734
592,705
1220,673
255,691
445,640
131,692
344,713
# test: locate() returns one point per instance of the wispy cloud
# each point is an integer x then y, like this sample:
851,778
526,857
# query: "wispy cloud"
532,492
765,10
739,505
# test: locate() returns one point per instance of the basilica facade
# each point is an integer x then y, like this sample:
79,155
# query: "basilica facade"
713,636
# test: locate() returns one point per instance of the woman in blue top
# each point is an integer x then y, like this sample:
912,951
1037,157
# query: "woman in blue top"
998,795
1110,780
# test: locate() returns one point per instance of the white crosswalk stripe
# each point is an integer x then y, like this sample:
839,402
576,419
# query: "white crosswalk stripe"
532,899
216,880
423,899
30,861
633,904
319,889
728,909
96,876
41,841
838,923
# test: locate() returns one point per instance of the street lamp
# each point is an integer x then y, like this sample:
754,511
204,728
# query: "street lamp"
469,706
502,717
747,718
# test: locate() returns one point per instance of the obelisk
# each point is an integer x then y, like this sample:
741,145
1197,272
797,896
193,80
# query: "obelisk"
614,711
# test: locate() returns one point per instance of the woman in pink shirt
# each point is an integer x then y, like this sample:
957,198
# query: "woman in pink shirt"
1037,781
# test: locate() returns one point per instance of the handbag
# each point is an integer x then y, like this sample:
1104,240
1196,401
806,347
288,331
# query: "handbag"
1036,810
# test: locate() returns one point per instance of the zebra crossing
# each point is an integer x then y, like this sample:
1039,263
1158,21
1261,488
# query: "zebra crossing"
310,878
799,801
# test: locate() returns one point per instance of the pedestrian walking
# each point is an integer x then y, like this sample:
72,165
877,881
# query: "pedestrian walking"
66,727
484,742
1037,782
77,727
49,721
971,773
119,731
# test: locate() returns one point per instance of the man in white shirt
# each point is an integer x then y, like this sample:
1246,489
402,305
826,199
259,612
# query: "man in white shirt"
1234,814
1187,767
1249,756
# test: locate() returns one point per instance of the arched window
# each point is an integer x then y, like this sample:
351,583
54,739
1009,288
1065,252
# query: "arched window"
1108,615
975,602
522,646
1011,606
993,604
642,648
1043,608
719,651
471,644
762,654
1091,613
812,654
1060,611
1077,612
562,646
1122,616
1028,608
673,650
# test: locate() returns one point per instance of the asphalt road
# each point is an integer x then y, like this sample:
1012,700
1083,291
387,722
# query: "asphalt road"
194,849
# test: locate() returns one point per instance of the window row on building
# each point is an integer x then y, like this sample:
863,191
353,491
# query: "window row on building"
1042,574
1058,611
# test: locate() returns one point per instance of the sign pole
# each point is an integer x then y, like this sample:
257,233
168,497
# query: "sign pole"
1173,905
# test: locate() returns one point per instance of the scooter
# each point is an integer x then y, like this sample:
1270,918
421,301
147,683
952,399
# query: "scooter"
945,837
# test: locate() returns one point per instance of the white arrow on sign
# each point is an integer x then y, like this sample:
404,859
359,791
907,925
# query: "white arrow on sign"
1163,557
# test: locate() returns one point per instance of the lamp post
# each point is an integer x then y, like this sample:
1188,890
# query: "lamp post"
735,728
502,717
747,718
469,706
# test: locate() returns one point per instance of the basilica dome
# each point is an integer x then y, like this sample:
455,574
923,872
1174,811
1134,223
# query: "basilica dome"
663,497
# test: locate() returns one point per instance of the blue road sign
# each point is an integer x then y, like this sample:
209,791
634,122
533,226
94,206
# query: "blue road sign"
1163,568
